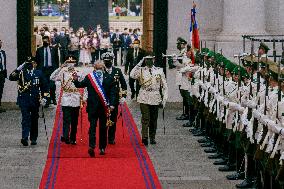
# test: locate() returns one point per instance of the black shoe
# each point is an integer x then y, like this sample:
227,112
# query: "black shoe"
153,141
67,141
203,140
194,130
210,150
236,176
188,124
62,139
145,142
112,142
54,102
200,133
33,142
183,117
220,162
215,156
247,183
227,168
24,142
132,95
102,152
206,145
91,152
73,142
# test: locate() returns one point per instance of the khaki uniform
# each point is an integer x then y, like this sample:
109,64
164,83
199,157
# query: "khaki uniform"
153,92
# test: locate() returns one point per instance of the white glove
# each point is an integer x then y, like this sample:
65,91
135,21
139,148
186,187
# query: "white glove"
21,67
122,100
164,104
43,102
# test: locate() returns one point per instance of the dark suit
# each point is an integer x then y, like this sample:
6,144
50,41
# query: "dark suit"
119,82
3,72
28,99
126,42
48,70
63,42
131,62
116,40
95,108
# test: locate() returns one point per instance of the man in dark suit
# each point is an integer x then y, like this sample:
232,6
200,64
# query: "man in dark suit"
134,56
47,58
3,72
126,42
62,42
120,93
100,86
116,40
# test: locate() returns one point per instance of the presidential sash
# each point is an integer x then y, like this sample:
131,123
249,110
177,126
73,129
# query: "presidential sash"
100,91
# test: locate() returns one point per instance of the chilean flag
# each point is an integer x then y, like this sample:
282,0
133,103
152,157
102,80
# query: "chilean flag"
194,29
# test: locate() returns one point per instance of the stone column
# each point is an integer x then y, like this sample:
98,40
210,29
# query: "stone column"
8,34
148,28
240,17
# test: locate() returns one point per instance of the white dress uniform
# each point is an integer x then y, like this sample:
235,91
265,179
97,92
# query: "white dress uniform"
151,81
71,96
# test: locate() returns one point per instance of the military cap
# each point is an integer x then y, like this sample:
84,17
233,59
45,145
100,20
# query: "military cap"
264,47
70,59
229,66
107,56
204,51
210,54
181,41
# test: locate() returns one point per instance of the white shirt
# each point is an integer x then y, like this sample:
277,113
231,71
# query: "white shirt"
49,56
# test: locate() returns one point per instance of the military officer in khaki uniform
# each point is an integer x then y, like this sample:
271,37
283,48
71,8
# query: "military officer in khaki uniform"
71,99
153,92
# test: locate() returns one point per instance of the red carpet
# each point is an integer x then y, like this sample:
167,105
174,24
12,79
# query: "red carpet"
125,165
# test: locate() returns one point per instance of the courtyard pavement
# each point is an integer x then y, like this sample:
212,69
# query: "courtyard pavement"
179,161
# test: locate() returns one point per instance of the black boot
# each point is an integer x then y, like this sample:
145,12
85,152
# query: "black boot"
145,141
247,183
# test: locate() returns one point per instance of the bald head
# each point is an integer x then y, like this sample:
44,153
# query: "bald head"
99,65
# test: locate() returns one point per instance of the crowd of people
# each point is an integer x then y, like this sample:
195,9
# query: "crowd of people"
87,45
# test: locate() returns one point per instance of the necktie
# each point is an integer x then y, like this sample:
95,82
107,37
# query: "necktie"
46,58
1,62
150,70
135,53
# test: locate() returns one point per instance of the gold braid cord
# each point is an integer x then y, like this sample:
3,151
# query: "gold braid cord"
109,122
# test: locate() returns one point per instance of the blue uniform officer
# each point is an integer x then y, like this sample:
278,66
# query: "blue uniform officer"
32,86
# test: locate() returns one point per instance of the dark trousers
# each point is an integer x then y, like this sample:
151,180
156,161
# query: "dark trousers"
70,117
149,120
112,129
47,71
185,100
95,56
115,51
134,85
63,55
93,119
2,81
30,122
74,53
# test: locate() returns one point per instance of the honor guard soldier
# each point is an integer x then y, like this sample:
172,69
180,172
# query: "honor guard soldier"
121,91
71,99
181,46
153,92
32,91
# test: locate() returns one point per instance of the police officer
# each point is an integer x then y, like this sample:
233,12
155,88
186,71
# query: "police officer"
71,98
153,92
121,91
31,87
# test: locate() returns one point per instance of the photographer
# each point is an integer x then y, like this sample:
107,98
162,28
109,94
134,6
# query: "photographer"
32,86
153,92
